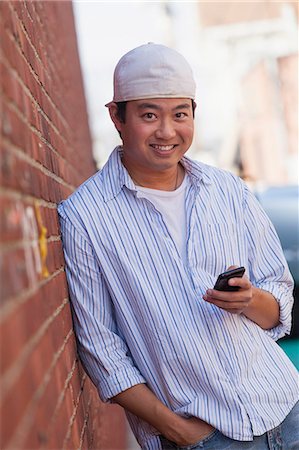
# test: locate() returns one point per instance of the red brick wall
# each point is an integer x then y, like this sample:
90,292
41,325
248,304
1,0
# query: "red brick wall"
46,399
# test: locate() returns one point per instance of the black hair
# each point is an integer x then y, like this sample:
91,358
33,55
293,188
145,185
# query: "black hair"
121,111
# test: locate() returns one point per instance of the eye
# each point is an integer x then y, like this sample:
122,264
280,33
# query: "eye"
181,115
149,116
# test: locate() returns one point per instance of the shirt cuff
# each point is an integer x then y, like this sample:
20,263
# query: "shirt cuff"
119,382
285,300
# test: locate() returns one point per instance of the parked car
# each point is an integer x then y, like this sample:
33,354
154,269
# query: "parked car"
281,203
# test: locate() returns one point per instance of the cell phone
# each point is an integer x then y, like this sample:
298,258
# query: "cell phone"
222,280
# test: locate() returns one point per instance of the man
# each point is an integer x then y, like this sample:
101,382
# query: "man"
144,240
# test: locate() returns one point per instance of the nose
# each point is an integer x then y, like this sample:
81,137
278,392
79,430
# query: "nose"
165,130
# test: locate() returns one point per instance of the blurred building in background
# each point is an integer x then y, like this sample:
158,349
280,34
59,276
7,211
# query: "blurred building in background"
245,61
247,54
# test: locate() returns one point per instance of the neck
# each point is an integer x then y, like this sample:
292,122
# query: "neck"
168,181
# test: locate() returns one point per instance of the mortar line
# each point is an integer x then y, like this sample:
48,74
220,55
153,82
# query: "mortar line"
10,376
32,98
12,106
32,69
26,198
25,157
28,417
73,416
26,243
12,303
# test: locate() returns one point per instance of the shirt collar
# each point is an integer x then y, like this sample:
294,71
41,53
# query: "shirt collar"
116,175
197,171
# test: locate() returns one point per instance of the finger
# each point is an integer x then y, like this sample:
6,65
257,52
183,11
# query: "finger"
242,282
229,304
241,297
232,267
228,296
234,307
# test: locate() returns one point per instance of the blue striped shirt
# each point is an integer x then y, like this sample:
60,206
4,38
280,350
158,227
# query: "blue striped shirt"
138,310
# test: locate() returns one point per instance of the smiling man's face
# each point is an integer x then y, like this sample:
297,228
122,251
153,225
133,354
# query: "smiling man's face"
156,134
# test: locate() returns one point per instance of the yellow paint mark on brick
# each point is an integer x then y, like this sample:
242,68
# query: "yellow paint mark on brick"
43,244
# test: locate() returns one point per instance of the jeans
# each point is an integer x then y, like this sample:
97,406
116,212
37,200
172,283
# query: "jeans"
283,437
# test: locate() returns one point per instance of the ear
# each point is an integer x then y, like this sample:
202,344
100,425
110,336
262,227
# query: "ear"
114,116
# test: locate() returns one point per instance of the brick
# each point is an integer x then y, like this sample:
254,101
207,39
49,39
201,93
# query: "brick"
31,375
50,220
113,419
42,427
17,216
55,291
18,271
31,179
11,223
37,149
62,421
27,48
25,142
17,64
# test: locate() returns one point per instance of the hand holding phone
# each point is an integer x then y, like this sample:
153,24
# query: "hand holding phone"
222,280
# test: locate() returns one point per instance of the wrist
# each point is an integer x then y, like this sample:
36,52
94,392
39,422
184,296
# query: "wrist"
263,309
170,425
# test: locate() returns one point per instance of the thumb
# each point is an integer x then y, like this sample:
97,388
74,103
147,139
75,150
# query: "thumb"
232,267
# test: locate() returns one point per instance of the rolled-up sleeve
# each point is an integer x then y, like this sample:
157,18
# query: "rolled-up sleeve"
104,355
268,267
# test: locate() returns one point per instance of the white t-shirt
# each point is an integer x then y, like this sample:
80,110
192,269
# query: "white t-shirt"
171,204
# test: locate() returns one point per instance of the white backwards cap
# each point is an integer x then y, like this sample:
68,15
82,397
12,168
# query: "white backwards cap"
152,71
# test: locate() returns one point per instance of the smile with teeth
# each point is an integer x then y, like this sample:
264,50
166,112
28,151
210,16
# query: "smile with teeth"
163,148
